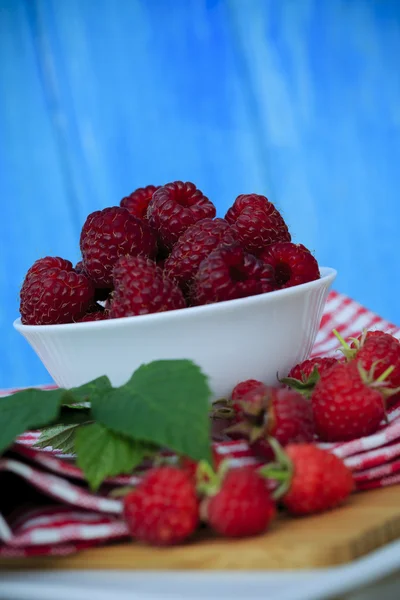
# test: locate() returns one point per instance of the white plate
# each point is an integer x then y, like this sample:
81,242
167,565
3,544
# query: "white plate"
290,585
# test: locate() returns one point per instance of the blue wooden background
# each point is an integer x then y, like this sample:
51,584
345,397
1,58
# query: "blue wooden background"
297,99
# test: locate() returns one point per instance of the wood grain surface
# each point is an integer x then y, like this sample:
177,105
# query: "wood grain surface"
367,522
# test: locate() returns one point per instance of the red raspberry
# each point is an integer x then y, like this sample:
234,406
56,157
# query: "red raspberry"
141,288
191,466
278,412
176,206
53,292
242,389
108,234
293,264
99,315
229,273
242,507
320,482
257,222
45,264
163,509
79,268
316,479
345,404
304,376
100,294
194,245
138,202
377,350
394,400
304,370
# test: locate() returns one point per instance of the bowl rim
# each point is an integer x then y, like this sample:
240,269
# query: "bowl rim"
328,275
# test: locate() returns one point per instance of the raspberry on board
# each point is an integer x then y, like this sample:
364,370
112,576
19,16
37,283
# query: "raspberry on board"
54,293
110,233
242,507
229,273
321,481
257,222
140,288
293,264
138,201
193,246
163,509
176,206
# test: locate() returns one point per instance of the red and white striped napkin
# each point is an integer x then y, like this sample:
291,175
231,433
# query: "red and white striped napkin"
52,512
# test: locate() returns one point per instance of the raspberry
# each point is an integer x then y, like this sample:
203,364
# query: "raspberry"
345,404
100,294
304,370
304,376
45,264
176,206
189,466
53,292
79,268
242,506
316,480
257,222
229,273
99,315
163,509
242,389
138,202
377,350
141,288
278,412
108,234
321,480
194,245
293,264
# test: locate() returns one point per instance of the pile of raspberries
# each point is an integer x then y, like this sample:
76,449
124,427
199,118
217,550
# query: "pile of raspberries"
163,249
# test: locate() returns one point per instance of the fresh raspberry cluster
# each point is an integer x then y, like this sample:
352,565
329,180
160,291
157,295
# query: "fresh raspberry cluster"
322,400
170,503
329,399
163,249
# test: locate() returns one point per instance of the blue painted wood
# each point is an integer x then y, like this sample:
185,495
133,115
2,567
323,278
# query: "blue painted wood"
297,100
36,217
325,80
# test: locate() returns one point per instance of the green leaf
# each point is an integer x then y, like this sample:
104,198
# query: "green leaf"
165,402
28,409
87,391
73,415
102,453
35,408
59,437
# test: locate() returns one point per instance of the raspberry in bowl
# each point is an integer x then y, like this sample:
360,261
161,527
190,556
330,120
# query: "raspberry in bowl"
201,291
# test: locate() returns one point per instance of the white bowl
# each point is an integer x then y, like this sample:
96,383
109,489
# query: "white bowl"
254,337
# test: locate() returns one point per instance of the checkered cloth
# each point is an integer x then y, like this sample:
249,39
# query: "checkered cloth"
54,513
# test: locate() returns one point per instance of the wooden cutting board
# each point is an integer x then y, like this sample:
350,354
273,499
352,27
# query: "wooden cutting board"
368,521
